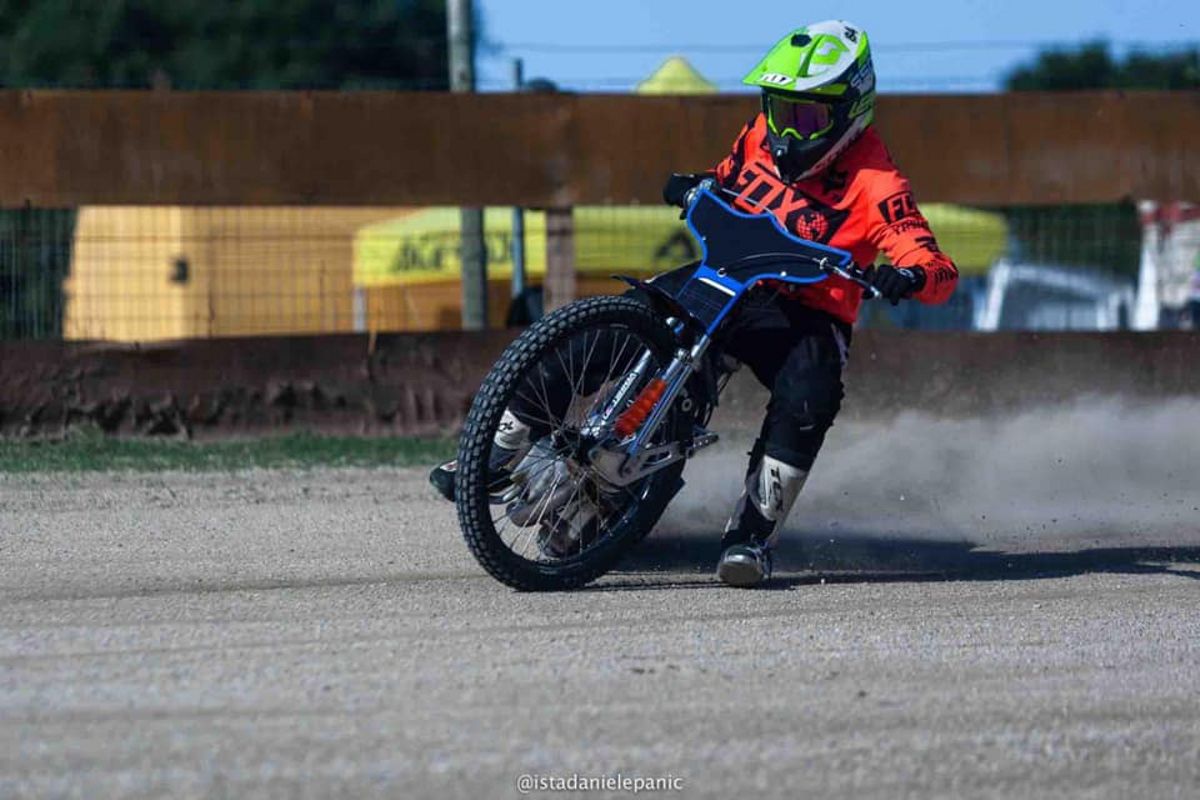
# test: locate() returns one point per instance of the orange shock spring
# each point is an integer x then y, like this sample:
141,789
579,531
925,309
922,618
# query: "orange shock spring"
632,418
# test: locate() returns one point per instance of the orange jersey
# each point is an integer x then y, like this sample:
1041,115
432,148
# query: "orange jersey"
861,204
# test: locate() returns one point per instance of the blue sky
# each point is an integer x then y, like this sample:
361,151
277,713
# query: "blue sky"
571,41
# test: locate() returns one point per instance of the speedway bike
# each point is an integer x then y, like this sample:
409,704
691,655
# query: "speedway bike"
576,441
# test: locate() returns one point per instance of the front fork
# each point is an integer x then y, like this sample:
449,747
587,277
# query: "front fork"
675,376
624,461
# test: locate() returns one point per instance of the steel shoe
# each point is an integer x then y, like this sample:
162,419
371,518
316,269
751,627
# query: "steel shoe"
745,565
444,476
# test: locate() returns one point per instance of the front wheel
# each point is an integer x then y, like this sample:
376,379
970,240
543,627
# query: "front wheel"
545,520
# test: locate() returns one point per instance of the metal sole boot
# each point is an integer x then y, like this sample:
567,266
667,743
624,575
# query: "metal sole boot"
771,488
509,446
745,565
442,477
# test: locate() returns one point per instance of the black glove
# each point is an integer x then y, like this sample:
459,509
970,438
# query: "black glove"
677,187
894,284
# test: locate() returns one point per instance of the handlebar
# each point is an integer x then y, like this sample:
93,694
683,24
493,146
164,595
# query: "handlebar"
856,275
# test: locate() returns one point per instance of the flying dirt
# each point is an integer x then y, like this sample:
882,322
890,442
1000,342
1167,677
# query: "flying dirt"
1088,473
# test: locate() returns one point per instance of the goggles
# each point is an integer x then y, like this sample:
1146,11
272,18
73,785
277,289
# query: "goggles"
804,119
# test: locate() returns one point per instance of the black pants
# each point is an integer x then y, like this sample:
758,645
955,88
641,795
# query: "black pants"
797,353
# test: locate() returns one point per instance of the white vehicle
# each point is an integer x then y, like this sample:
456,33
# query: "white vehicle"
1043,297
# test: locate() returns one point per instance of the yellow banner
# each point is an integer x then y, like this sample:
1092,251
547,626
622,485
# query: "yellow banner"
425,246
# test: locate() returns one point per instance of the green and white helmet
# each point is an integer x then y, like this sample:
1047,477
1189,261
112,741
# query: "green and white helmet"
818,95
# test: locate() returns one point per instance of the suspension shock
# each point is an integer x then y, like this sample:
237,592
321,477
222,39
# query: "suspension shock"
632,418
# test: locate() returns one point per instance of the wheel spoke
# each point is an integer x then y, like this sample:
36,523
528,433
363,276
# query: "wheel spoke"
542,506
583,372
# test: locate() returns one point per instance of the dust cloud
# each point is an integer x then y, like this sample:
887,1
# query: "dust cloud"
1090,473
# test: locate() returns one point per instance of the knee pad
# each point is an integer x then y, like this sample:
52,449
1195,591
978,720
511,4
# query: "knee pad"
813,395
802,409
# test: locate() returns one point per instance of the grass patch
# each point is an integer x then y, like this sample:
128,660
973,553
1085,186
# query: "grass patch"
96,453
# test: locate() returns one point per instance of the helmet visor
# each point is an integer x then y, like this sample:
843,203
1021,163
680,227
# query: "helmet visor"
804,119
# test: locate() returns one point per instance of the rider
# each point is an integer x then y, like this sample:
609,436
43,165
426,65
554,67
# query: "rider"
811,158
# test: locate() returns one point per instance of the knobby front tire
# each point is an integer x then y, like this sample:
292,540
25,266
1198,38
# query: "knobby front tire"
562,338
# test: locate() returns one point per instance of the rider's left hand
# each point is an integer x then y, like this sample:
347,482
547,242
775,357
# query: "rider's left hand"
894,284
681,190
678,187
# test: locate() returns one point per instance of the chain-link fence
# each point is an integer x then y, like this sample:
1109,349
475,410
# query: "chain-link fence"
35,259
143,273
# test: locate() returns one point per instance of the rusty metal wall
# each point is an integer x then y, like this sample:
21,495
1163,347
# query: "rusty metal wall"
423,383
62,149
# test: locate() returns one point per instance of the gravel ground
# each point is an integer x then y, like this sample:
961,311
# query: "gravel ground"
325,633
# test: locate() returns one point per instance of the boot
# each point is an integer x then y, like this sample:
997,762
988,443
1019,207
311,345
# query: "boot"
509,446
771,490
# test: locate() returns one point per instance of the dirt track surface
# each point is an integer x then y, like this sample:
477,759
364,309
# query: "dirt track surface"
317,634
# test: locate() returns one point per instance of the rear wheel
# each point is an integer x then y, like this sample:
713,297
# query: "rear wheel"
554,524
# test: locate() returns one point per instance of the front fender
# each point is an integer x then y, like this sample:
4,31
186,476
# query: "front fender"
701,389
660,300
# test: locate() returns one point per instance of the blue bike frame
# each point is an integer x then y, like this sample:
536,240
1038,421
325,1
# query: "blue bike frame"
761,254
739,251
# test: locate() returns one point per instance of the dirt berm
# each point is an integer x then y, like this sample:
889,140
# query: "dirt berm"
423,383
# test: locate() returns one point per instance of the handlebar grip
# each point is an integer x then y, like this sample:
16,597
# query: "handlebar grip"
693,194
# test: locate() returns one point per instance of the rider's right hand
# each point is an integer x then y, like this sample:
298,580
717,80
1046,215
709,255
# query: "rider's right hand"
894,284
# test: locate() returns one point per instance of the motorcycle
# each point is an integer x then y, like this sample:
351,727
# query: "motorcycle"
576,441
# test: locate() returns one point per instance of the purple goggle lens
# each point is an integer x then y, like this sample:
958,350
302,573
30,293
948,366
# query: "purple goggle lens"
804,118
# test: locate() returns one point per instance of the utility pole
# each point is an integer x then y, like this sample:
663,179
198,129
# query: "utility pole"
518,220
460,31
